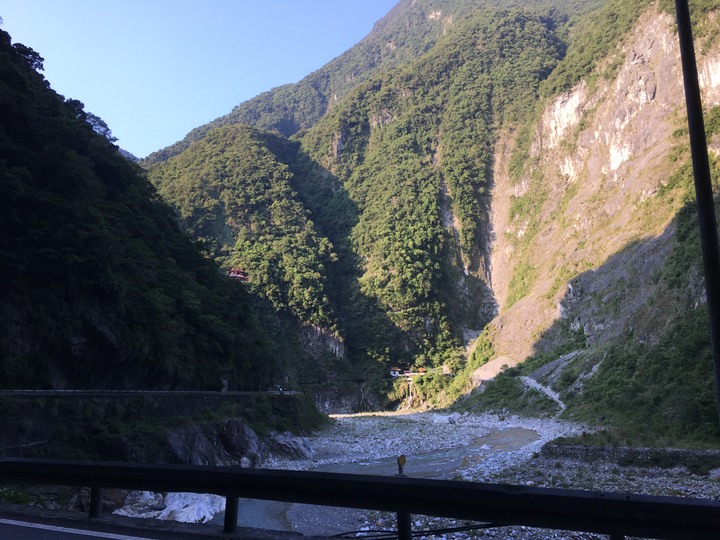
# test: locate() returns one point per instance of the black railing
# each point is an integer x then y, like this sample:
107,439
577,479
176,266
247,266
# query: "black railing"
614,514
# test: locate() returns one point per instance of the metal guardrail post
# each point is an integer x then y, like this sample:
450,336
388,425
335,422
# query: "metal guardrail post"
404,526
404,523
96,495
231,514
707,221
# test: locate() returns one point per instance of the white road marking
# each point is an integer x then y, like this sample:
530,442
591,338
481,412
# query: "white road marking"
53,528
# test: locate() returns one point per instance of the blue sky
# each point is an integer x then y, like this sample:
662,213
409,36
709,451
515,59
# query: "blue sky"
155,69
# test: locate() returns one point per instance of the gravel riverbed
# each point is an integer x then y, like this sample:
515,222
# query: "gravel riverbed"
475,448
484,448
363,438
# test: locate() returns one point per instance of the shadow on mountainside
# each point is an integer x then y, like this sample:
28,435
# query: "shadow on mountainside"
645,362
371,339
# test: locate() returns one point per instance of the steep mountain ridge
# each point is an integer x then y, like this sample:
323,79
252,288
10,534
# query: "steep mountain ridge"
408,31
233,191
599,191
98,286
405,162
600,235
520,173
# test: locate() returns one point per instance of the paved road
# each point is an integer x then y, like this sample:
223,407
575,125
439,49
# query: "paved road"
20,530
18,522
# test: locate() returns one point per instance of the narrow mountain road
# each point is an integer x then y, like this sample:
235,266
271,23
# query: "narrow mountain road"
532,383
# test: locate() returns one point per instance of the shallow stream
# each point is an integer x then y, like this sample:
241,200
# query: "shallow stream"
442,464
439,464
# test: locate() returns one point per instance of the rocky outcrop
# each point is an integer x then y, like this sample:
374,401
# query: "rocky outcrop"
229,442
288,446
182,507
315,339
347,400
601,227
226,443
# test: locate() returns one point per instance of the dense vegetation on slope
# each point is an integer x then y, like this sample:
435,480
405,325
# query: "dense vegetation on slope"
386,199
98,286
233,193
372,225
412,150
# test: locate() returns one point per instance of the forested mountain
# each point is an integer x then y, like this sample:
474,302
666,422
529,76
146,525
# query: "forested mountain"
513,170
98,286
233,192
396,178
484,192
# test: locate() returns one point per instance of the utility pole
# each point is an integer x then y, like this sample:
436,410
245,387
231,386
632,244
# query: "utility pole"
703,184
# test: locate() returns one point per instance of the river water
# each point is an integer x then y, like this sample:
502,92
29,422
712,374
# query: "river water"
439,463
464,447
442,464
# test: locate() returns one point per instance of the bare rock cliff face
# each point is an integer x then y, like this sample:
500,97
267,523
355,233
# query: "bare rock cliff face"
601,225
230,442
